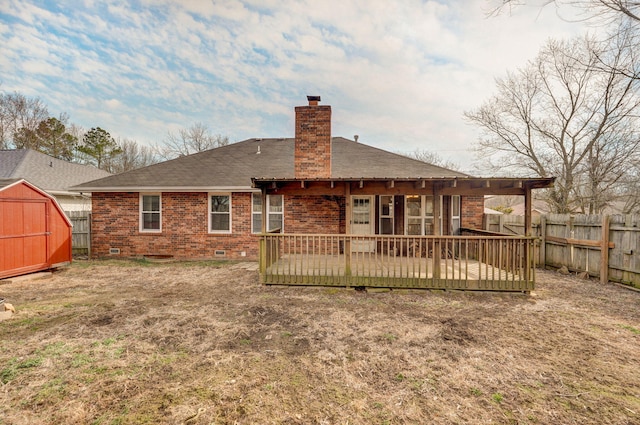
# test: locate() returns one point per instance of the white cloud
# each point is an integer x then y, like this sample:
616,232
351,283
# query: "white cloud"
399,74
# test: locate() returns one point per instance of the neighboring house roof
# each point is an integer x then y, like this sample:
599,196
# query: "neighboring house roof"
539,206
492,211
46,172
7,182
232,167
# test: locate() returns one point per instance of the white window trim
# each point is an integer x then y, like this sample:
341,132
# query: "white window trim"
140,211
422,217
390,216
456,217
209,212
268,213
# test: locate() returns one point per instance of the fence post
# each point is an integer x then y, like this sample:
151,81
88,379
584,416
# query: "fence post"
89,221
543,241
604,250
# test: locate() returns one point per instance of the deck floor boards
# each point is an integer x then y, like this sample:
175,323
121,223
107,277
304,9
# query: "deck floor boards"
377,269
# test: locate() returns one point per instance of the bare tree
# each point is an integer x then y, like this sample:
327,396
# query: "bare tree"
565,115
133,155
598,9
196,138
434,158
20,117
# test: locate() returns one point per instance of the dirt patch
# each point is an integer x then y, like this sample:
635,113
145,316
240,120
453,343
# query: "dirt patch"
205,343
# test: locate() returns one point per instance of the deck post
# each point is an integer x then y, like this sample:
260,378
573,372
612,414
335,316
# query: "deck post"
527,233
347,240
437,254
263,229
263,258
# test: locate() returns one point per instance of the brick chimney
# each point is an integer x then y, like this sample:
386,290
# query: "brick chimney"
313,140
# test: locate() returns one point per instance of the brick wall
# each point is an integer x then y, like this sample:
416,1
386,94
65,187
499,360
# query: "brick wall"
115,224
313,141
472,211
314,214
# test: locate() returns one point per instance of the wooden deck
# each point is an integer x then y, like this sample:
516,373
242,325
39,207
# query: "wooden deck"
466,263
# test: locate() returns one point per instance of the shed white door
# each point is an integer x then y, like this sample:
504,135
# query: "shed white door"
362,222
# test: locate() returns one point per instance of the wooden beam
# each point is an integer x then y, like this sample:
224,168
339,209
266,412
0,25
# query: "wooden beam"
579,242
263,229
479,191
527,212
437,212
263,211
348,208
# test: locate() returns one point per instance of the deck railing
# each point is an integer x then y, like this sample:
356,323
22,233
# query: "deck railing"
498,263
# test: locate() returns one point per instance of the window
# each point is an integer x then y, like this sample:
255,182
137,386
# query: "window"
386,215
455,214
419,212
275,210
150,213
220,213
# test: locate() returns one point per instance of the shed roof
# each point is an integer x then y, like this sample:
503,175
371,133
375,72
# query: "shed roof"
233,167
48,173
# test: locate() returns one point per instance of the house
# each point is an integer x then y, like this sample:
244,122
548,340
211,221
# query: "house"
222,202
35,234
538,208
50,174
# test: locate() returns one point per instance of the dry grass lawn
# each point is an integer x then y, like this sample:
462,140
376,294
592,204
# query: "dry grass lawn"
205,343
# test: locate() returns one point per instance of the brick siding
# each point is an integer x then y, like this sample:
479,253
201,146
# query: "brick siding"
185,235
115,224
313,142
472,210
314,214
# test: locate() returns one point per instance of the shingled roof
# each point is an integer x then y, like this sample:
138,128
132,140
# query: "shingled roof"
46,172
7,182
233,166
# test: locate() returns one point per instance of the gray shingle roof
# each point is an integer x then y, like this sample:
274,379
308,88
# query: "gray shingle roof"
6,182
44,171
234,165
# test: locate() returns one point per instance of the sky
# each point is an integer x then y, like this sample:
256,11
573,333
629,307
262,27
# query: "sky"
400,74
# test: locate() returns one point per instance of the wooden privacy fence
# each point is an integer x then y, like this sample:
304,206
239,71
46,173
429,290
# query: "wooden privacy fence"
81,235
606,246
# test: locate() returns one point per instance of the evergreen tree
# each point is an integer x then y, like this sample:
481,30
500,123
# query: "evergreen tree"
99,148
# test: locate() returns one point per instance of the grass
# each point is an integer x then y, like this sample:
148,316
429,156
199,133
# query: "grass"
140,342
631,329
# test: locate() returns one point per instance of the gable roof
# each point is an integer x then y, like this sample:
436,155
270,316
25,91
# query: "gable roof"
46,172
233,166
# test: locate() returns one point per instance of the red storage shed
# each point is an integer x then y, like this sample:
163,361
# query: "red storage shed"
35,234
